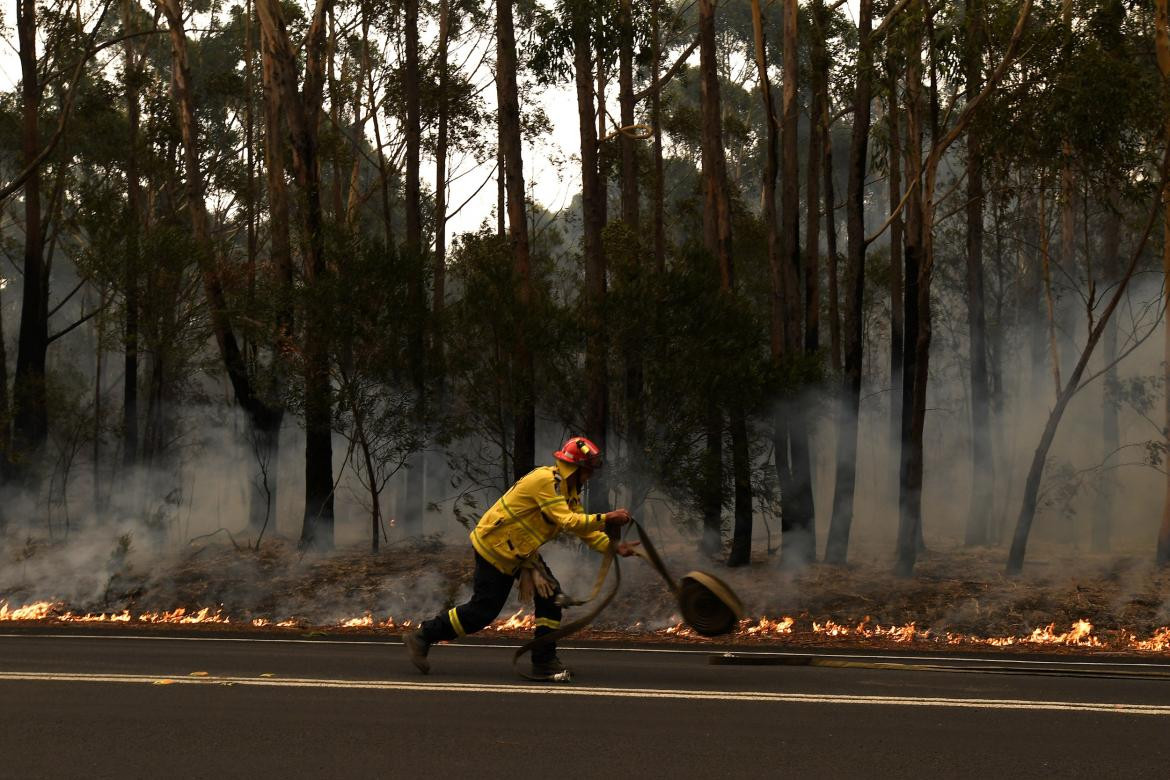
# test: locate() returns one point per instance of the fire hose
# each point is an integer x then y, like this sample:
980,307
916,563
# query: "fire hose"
706,603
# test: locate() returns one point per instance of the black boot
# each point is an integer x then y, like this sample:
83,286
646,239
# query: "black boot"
551,669
418,647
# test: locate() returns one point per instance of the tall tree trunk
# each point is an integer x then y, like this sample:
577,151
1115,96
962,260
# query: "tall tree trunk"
301,109
982,466
812,249
439,272
910,526
200,224
29,413
592,205
897,255
837,547
130,271
717,195
5,429
1049,297
336,102
602,133
262,417
834,292
501,184
1015,562
910,457
266,440
524,412
717,239
771,171
411,508
1162,45
790,435
656,119
630,202
1102,524
629,169
98,376
384,173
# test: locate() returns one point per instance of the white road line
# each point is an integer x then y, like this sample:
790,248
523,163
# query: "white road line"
738,650
627,693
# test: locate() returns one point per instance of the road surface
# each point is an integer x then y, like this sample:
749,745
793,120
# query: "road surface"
113,705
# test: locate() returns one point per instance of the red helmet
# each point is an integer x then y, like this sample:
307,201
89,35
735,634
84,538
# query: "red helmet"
580,452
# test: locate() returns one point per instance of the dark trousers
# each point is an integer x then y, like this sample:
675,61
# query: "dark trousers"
490,590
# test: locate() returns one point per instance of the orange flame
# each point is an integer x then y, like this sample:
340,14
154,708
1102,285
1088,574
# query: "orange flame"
1080,633
515,623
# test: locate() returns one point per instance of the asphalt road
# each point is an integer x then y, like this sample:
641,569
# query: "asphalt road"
154,707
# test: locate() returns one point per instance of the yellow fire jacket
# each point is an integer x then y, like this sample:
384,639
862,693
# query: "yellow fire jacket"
532,512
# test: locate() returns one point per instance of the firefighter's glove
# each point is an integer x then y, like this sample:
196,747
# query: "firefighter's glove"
545,587
533,580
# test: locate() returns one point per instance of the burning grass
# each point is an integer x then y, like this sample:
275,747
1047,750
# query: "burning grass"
958,600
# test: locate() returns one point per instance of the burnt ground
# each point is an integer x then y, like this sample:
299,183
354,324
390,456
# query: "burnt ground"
960,592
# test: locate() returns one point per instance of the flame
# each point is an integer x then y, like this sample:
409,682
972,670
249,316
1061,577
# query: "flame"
38,611
515,623
766,626
1081,633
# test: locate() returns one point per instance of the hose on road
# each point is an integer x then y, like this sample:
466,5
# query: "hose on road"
707,604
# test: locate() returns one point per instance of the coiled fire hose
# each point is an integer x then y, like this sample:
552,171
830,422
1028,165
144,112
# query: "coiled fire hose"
706,603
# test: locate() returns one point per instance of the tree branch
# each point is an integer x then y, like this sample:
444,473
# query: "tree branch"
670,72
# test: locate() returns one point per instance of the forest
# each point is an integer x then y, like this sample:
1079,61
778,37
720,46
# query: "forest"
819,273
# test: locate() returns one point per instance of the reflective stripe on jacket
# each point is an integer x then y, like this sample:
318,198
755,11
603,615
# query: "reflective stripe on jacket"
533,511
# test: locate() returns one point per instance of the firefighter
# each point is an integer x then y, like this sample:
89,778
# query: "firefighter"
506,545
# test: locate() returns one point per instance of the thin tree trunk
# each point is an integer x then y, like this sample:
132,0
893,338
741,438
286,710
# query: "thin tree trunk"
812,242
1015,562
717,239
439,266
29,413
837,547
301,108
197,206
631,216
99,370
831,239
130,273
656,114
771,171
629,169
524,410
1046,276
384,175
897,257
266,437
790,436
5,430
1162,45
592,200
1102,524
501,184
602,177
411,506
910,458
910,541
982,466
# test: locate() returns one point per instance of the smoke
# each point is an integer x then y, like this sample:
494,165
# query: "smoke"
176,532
